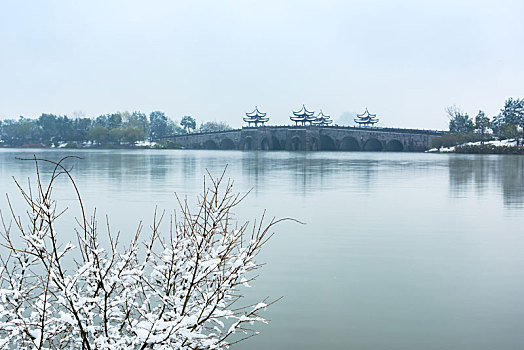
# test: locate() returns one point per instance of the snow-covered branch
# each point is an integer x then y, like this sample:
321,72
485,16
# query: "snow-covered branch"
180,290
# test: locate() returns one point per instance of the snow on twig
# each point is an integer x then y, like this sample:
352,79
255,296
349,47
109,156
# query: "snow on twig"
174,292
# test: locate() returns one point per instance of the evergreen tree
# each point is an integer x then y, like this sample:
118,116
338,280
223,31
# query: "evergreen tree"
139,120
21,132
48,124
482,123
98,134
101,121
460,122
173,128
513,113
80,128
158,126
188,123
65,128
132,134
114,121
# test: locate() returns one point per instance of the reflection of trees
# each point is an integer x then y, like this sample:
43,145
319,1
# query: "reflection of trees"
460,174
482,171
276,168
188,166
299,172
297,169
512,179
158,166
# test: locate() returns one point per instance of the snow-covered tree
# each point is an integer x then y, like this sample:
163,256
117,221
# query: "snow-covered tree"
188,123
181,290
459,122
513,113
482,124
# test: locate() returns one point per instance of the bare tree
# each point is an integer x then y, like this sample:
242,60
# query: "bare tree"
181,290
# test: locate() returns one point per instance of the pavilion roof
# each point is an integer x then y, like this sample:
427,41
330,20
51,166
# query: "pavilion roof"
322,118
321,115
366,117
256,113
303,112
303,118
256,117
366,113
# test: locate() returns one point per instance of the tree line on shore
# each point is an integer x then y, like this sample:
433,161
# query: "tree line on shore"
508,124
120,128
128,128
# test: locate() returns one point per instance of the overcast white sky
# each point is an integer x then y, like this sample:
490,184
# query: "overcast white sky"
404,60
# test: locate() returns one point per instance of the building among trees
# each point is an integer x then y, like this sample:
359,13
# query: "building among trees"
366,119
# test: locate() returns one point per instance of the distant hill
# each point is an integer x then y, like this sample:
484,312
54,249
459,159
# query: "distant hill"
346,118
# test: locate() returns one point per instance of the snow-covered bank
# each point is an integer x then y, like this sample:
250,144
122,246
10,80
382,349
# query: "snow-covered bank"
495,143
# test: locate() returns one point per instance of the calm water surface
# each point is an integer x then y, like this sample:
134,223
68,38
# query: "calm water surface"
399,251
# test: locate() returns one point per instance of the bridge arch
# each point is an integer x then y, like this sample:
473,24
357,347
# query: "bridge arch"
372,144
265,145
210,144
227,143
394,146
295,144
349,143
327,143
248,144
275,144
314,144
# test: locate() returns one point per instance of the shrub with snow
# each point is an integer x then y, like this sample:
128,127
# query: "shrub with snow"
173,291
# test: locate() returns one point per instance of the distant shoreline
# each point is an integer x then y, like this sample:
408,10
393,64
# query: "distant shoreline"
74,145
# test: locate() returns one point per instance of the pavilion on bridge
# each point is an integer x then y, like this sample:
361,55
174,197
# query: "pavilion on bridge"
256,117
303,116
322,119
366,119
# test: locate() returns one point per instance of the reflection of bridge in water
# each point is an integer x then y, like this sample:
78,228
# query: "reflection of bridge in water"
311,138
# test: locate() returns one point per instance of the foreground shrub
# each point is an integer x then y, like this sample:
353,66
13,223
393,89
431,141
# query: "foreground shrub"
174,291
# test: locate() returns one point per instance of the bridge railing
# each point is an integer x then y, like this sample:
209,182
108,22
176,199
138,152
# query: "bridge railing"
345,127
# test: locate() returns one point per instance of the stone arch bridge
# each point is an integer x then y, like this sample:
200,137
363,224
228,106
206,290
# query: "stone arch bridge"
311,138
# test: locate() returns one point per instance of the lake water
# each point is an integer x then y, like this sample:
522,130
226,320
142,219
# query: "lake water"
399,250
